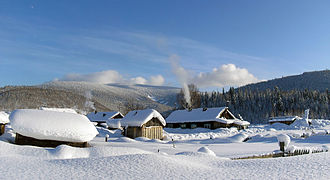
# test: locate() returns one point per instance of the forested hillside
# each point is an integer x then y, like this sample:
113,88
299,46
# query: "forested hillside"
316,80
280,97
257,106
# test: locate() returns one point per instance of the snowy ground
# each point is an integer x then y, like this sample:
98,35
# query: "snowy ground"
124,158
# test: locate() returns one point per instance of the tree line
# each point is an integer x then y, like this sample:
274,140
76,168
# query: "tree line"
258,106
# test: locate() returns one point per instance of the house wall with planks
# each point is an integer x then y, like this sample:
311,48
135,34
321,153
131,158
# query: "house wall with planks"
24,140
2,129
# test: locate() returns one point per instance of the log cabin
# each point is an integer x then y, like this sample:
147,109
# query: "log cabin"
211,118
284,119
143,123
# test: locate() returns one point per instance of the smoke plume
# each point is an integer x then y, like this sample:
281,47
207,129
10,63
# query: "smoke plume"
182,76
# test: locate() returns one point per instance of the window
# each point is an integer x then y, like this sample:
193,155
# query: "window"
193,126
170,125
183,126
207,126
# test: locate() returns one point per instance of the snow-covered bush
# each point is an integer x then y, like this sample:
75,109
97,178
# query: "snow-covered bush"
284,138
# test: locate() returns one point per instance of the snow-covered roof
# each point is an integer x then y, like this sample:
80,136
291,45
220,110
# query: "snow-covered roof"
4,117
283,118
140,117
68,110
203,115
52,125
241,122
102,116
195,115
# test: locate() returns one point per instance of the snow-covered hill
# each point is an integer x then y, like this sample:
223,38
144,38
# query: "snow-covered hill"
114,96
84,95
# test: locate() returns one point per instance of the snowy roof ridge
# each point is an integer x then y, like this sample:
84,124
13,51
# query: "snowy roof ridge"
102,116
283,118
140,117
52,125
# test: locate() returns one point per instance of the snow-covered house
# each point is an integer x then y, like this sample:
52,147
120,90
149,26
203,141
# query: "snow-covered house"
102,117
4,119
211,118
284,119
50,128
143,123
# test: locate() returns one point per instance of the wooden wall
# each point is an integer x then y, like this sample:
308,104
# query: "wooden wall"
284,122
213,125
24,140
2,129
151,132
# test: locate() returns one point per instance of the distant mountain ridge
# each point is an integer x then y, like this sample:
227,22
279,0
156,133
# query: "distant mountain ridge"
315,80
71,93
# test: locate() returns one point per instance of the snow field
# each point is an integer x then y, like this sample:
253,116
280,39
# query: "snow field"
195,156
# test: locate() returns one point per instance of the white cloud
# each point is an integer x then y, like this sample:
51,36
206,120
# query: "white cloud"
103,77
138,80
157,80
112,76
226,75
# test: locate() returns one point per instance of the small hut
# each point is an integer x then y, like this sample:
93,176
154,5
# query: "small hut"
143,123
284,119
102,117
4,119
50,128
211,118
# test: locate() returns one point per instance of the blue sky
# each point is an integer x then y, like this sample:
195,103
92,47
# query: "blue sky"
135,41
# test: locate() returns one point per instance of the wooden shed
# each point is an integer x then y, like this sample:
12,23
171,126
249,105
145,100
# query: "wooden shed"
284,119
211,118
50,128
143,123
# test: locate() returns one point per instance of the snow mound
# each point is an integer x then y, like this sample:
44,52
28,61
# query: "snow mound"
114,123
52,125
4,117
68,152
143,139
124,139
284,138
206,151
239,137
